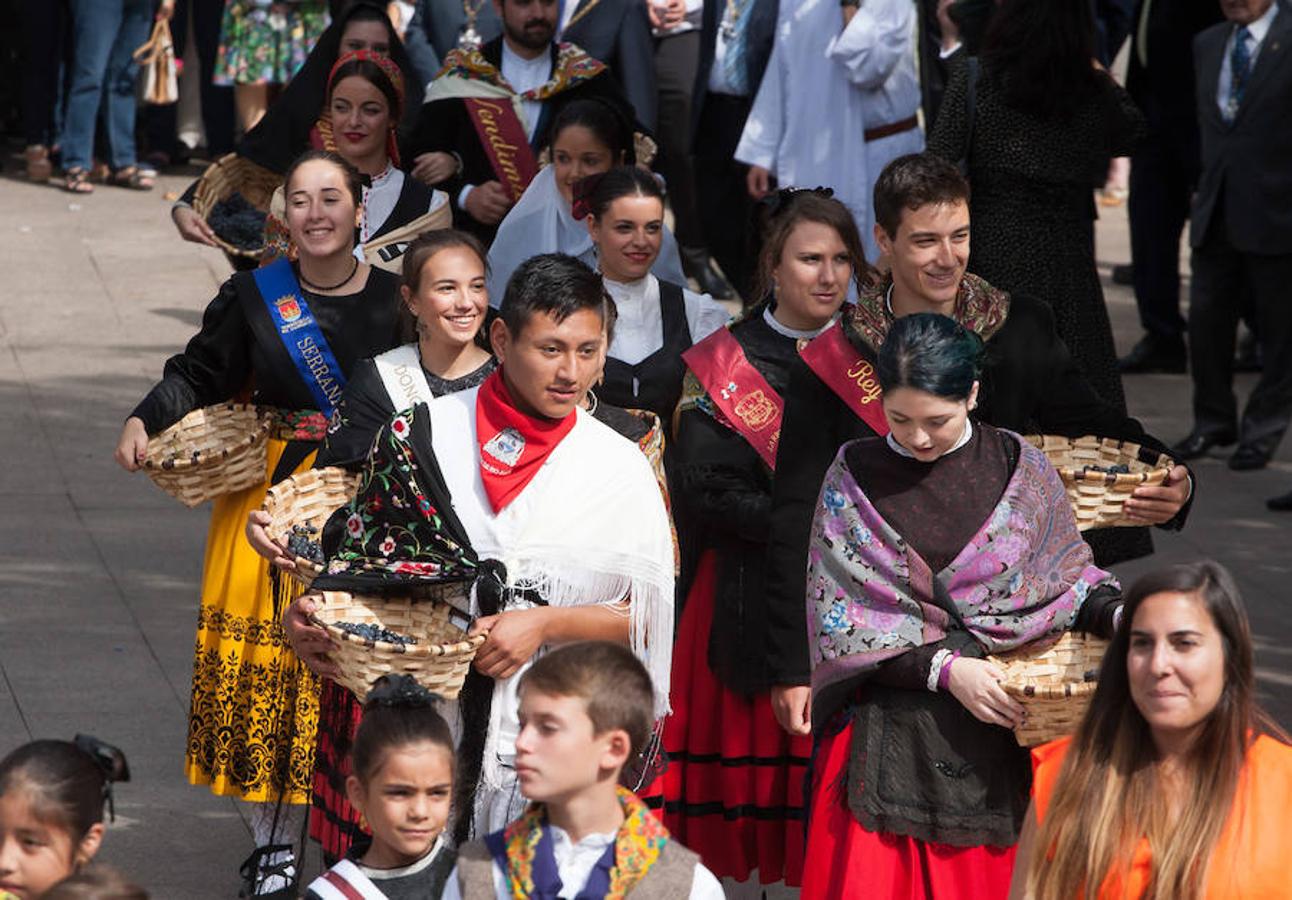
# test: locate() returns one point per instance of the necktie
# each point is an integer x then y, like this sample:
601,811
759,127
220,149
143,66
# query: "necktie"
733,63
1240,64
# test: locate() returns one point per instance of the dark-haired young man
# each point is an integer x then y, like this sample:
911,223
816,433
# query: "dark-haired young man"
569,508
1029,384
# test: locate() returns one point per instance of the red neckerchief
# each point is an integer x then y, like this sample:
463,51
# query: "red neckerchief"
513,445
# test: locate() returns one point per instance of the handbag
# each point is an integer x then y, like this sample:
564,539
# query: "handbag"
160,82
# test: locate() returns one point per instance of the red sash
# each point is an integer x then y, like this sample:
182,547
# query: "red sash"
849,374
504,142
750,405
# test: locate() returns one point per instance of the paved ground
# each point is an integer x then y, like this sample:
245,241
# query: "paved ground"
98,569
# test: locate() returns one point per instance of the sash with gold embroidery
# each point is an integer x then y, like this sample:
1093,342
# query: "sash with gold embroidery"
749,405
505,143
849,374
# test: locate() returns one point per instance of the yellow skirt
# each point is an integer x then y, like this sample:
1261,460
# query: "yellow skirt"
254,712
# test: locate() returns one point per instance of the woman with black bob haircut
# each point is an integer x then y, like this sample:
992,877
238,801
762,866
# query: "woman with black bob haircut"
658,319
589,136
932,547
1176,783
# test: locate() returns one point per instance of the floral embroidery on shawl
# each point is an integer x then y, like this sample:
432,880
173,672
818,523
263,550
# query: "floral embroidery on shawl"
394,531
979,307
573,67
1020,580
638,844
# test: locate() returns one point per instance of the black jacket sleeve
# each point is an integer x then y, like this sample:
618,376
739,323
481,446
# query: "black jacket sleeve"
213,368
725,488
363,409
911,670
1036,386
815,425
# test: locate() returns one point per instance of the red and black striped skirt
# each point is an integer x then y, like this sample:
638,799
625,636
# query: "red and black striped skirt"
733,789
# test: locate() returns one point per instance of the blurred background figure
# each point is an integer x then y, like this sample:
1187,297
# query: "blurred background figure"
1035,132
105,34
1241,230
262,44
1164,171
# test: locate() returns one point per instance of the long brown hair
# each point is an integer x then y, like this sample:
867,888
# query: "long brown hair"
1109,795
789,208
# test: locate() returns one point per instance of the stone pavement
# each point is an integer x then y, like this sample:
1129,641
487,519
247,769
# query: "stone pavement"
99,569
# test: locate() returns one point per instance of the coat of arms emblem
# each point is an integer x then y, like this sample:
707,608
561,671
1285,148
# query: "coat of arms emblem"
288,309
755,410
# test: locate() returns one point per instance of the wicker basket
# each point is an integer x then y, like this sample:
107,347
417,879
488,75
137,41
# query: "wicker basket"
438,661
210,452
1097,497
1054,685
232,173
307,498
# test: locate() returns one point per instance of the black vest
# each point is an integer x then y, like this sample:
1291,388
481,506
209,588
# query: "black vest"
655,383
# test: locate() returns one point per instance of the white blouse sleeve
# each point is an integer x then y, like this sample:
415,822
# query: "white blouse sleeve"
704,315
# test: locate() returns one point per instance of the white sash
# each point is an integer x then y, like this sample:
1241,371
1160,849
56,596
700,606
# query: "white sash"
345,881
401,374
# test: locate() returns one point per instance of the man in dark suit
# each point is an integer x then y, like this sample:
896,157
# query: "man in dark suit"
733,57
445,146
617,32
1242,229
1164,171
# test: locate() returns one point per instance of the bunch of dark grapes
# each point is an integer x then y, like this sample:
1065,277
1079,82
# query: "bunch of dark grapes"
372,632
1119,469
302,543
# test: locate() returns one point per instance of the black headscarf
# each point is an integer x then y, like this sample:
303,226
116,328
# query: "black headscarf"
284,131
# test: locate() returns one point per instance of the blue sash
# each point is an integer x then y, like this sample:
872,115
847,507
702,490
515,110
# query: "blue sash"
300,334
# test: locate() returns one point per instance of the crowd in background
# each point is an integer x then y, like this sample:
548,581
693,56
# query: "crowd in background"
447,178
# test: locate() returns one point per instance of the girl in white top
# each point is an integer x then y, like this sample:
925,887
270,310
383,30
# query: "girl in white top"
659,318
588,136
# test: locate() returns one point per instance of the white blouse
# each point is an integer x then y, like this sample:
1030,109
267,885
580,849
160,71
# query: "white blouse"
639,330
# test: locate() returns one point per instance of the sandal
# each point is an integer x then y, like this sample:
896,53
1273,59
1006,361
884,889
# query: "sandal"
77,180
39,168
269,873
135,178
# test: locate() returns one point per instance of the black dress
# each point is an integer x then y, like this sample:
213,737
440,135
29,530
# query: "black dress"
1030,384
1032,205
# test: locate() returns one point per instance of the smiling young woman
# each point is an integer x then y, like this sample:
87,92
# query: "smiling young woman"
658,320
254,709
1176,782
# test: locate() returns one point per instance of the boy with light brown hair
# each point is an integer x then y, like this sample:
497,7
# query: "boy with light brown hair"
586,709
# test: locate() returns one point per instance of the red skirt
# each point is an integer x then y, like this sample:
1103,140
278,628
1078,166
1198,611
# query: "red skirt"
334,823
733,789
846,860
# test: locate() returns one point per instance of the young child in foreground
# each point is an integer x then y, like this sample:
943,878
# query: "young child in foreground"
51,811
402,782
586,709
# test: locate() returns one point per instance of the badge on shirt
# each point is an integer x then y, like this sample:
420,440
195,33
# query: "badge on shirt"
506,448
